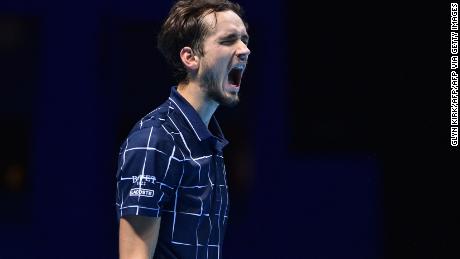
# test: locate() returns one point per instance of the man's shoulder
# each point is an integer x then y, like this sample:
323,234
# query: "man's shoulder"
152,128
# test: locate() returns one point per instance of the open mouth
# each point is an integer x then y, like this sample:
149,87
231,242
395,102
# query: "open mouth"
235,75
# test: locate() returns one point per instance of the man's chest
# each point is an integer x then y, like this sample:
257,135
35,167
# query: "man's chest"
203,188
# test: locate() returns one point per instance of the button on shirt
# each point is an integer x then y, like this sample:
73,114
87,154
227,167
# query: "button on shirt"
171,166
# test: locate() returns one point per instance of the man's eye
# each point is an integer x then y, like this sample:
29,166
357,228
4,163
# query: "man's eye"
228,42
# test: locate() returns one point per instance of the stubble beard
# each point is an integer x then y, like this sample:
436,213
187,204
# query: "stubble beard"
216,92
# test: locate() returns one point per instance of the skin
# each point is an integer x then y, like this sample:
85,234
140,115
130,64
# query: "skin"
138,236
225,47
207,88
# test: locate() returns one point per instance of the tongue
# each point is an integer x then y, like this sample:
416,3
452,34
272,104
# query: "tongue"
231,81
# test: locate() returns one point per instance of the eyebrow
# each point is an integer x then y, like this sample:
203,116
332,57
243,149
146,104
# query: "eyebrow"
234,35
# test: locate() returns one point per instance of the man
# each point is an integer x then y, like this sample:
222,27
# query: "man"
172,196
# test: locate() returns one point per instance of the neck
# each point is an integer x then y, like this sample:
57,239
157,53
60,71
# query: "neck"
196,96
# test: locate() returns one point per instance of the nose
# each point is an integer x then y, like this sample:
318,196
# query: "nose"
243,52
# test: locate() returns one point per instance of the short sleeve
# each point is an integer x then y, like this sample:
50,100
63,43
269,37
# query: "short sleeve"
147,175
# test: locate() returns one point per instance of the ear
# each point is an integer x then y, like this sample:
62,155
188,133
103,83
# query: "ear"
189,59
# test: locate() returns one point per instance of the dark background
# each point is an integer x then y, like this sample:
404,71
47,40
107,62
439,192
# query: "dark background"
340,147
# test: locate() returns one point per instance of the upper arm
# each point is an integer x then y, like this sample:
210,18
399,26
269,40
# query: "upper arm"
138,236
146,180
147,174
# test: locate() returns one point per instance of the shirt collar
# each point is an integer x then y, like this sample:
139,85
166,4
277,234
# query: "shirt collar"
194,120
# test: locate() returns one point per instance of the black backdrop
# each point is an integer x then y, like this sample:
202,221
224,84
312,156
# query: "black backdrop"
339,149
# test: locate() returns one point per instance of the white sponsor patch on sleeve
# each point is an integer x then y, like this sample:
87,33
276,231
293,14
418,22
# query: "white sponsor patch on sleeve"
141,192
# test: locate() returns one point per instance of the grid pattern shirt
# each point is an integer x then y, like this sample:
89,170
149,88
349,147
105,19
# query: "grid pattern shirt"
171,166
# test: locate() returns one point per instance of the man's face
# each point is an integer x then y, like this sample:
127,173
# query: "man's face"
225,57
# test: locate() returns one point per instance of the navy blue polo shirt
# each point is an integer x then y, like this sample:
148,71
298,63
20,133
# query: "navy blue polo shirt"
172,166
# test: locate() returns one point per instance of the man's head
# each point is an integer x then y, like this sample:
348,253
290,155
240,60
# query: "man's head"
206,42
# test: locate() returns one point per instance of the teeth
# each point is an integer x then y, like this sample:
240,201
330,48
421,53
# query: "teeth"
235,73
239,66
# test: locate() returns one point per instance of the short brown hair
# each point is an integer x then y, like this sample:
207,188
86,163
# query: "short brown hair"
184,26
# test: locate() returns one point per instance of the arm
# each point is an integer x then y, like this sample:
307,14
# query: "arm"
138,236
